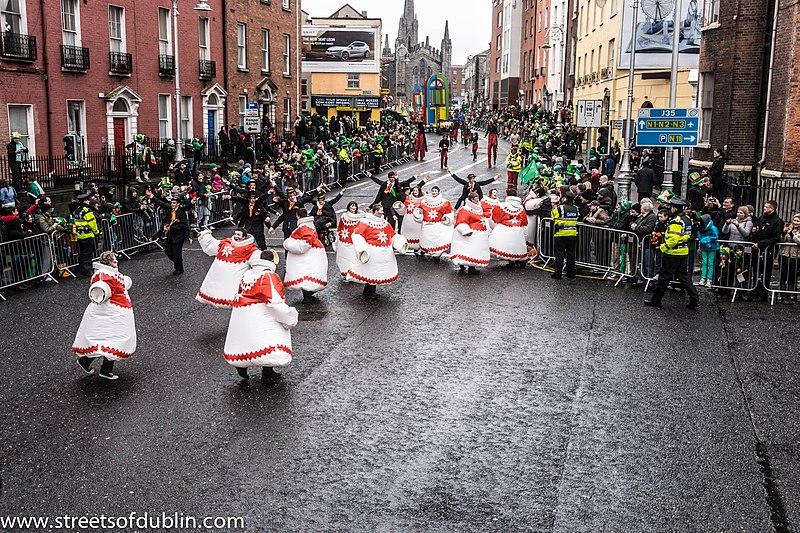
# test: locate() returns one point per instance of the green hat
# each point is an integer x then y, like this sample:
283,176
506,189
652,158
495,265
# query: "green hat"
695,178
666,196
139,137
165,184
625,205
212,166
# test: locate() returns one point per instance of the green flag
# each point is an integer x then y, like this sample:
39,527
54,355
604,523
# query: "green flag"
531,172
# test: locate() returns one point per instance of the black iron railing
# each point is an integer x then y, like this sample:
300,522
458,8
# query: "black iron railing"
17,46
166,65
121,63
208,69
74,57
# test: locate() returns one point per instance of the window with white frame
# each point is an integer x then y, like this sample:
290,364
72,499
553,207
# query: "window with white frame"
497,65
116,29
264,50
204,38
164,31
242,108
76,126
706,104
20,120
164,116
187,129
12,16
287,4
497,43
711,12
241,45
613,7
286,54
353,81
287,112
611,53
505,63
70,23
499,19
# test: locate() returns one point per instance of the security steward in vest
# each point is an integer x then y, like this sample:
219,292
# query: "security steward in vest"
565,226
86,231
674,261
513,167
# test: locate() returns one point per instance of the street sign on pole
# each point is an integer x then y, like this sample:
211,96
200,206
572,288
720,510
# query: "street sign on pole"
252,120
590,114
667,127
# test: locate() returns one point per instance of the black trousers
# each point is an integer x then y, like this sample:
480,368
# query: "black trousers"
174,250
105,368
86,250
16,174
674,266
565,248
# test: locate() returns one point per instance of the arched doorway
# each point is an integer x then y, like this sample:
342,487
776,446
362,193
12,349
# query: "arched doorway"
213,111
122,115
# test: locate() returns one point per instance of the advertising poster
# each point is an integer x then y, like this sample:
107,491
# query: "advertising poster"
654,33
327,49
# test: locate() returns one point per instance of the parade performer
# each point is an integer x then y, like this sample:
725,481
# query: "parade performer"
306,260
345,254
507,240
537,204
491,132
436,215
444,149
411,228
374,242
176,229
513,167
489,203
470,186
420,143
221,284
470,248
107,329
474,140
258,331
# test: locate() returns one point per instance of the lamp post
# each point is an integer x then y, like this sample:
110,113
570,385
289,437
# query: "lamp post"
202,5
556,32
625,166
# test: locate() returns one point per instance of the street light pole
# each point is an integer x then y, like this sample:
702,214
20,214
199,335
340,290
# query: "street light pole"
178,117
625,167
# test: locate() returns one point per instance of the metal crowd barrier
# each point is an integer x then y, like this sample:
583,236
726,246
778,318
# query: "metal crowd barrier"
783,279
26,260
740,271
128,233
221,210
649,260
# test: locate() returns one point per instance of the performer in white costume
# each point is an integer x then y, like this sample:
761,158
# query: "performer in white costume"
374,241
470,248
489,203
345,254
436,215
258,331
534,201
108,329
230,263
411,228
306,260
507,240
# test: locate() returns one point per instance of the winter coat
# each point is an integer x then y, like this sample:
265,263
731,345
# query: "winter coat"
709,237
792,237
739,233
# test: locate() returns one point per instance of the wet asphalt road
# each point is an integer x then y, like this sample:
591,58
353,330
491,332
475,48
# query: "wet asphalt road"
503,402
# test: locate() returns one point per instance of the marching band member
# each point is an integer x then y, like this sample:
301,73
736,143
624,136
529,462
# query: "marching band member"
345,254
107,329
374,242
221,284
306,260
507,240
470,248
258,331
411,229
436,215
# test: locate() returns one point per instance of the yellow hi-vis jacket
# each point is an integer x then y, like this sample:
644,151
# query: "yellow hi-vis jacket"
565,220
86,224
677,236
514,162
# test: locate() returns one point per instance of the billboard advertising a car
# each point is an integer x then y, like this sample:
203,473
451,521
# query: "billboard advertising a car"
327,49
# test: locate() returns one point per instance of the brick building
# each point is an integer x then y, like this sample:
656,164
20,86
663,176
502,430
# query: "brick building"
495,53
535,33
105,73
262,60
476,79
457,88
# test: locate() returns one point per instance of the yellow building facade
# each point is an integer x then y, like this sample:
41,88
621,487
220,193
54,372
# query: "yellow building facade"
597,76
339,93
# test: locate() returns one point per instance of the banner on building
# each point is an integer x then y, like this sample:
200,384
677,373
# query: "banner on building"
654,32
327,49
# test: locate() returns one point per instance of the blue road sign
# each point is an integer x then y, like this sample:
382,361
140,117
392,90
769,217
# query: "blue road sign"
667,127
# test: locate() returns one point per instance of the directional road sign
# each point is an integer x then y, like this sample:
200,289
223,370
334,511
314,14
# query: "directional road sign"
667,127
252,120
590,113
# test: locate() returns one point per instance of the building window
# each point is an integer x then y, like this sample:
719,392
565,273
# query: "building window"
711,12
204,38
286,54
242,108
353,81
164,32
505,63
187,122
287,113
611,53
497,45
497,65
613,7
164,116
241,45
12,14
499,19
706,104
70,23
116,29
76,126
286,5
546,14
265,50
20,120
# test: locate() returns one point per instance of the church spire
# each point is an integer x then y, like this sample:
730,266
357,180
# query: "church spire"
446,30
387,49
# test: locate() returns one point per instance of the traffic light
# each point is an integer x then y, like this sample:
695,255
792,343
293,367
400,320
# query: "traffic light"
602,140
69,147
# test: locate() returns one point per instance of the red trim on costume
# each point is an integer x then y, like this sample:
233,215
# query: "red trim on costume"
507,256
216,301
437,249
483,262
101,348
370,280
255,355
304,278
413,241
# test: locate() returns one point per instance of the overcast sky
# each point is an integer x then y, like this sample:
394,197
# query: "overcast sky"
470,20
